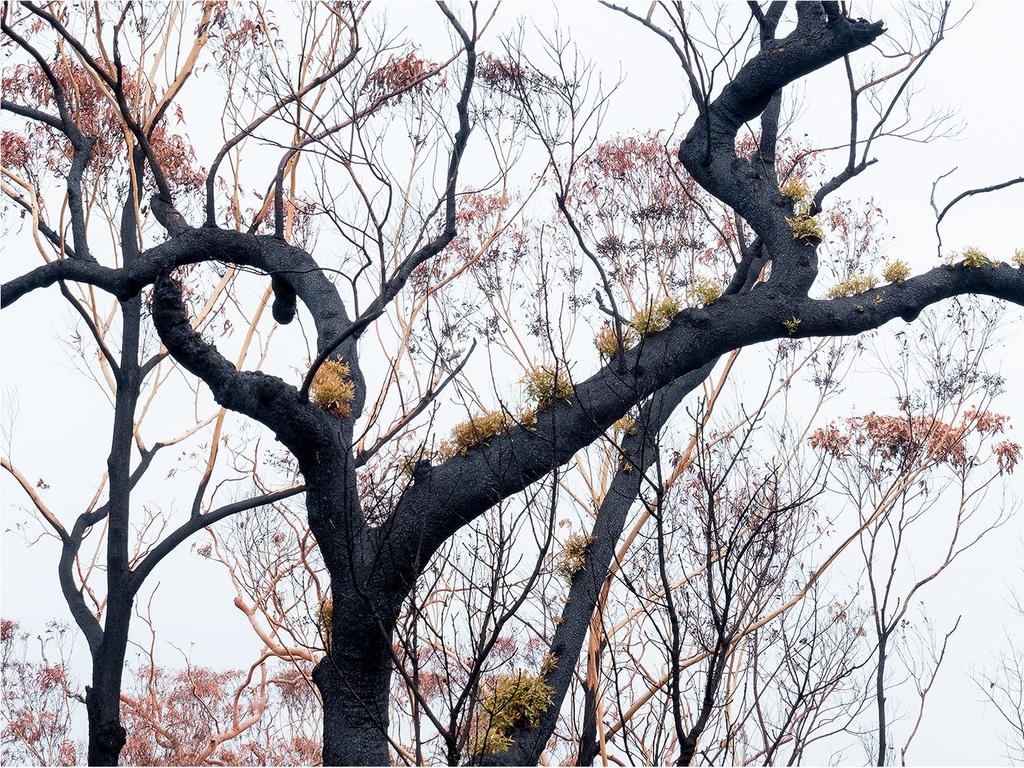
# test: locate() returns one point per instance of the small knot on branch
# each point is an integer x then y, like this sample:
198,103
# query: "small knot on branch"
284,300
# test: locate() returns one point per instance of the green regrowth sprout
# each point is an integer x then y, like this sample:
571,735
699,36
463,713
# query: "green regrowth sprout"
324,616
626,425
528,418
896,271
332,388
479,430
795,190
516,701
852,285
608,345
573,555
703,291
548,664
805,227
974,257
657,317
546,385
792,324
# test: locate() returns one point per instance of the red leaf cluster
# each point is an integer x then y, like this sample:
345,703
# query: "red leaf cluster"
903,439
400,76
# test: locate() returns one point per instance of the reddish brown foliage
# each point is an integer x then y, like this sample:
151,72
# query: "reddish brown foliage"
509,76
899,440
96,114
400,76
37,708
187,717
14,150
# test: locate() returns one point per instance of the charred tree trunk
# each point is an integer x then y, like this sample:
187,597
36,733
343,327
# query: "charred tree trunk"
354,678
354,682
103,698
106,734
588,747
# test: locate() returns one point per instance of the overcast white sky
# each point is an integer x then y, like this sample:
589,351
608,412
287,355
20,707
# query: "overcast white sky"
60,425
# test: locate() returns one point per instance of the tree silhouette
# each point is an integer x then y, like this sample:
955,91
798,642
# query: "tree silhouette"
376,545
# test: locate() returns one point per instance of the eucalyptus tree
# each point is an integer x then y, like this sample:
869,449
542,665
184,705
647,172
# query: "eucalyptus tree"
375,549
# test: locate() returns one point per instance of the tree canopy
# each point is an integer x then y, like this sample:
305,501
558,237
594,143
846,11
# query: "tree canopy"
486,479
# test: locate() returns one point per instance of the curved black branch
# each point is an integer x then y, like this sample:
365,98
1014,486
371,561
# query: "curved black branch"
292,270
708,152
265,398
195,524
972,192
32,114
457,491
